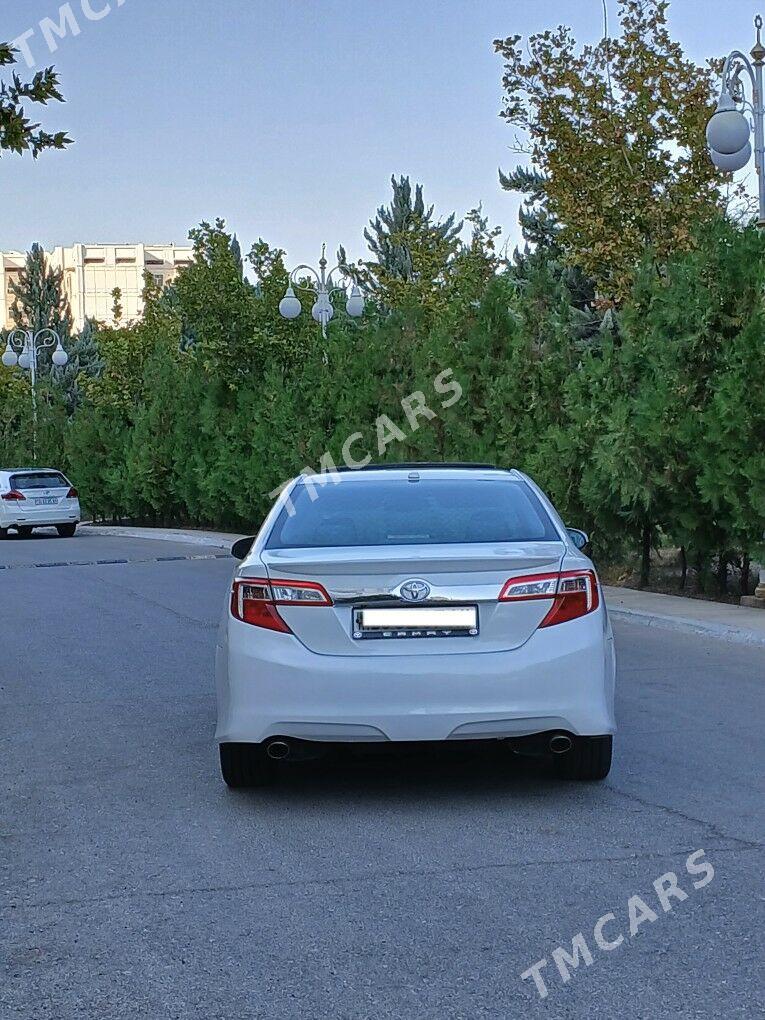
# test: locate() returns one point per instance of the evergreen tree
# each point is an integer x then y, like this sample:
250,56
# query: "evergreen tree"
236,254
116,306
40,302
394,231
539,228
219,307
412,251
85,362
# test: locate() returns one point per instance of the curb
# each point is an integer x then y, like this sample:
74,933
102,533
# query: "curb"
208,539
719,631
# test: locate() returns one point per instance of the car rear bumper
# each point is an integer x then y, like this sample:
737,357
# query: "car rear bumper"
36,520
272,685
24,514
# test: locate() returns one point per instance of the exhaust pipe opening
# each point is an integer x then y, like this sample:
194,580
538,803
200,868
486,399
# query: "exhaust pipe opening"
560,743
278,750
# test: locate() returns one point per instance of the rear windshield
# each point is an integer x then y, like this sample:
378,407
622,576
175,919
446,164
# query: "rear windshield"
399,512
39,480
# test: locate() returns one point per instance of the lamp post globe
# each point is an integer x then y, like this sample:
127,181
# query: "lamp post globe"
733,161
59,357
728,128
24,360
289,306
355,304
322,310
10,358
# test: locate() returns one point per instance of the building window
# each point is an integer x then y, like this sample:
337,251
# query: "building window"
158,279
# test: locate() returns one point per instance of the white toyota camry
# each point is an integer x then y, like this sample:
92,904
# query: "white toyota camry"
414,603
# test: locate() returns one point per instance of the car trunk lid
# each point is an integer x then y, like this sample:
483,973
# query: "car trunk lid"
456,575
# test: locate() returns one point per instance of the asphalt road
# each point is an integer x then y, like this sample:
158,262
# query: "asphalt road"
133,884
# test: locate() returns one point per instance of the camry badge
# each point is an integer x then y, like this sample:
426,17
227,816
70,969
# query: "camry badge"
415,590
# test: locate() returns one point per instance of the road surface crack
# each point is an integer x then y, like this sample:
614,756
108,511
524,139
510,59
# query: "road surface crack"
396,875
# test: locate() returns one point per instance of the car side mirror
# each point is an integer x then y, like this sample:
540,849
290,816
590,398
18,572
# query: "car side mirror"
241,548
580,538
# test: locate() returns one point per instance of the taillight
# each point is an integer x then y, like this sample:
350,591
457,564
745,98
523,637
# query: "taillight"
254,600
12,495
535,586
574,593
577,596
251,602
72,494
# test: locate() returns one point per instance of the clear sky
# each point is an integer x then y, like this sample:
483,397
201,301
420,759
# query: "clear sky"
285,117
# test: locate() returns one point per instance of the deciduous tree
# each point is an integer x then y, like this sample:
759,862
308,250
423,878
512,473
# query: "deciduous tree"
615,135
18,134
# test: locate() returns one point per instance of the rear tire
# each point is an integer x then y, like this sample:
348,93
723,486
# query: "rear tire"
25,531
245,765
65,530
589,759
3,533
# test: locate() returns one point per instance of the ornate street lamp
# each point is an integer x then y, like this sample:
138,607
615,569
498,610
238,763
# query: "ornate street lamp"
321,291
22,348
728,129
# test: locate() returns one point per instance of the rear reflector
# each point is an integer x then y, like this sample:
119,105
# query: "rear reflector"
12,495
254,600
574,593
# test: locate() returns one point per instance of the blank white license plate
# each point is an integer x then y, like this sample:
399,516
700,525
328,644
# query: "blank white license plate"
432,621
47,501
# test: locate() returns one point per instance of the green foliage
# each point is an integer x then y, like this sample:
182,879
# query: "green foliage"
40,301
412,251
85,363
615,133
117,308
643,425
17,133
619,358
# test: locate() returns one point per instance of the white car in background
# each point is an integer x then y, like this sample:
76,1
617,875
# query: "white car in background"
37,498
414,603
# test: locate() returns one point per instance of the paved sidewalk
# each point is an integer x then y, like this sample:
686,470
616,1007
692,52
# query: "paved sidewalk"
210,539
672,612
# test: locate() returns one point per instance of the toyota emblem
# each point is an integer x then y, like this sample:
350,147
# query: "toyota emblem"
415,590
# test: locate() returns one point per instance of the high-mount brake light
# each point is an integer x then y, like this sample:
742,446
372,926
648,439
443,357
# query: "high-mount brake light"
254,600
12,495
574,593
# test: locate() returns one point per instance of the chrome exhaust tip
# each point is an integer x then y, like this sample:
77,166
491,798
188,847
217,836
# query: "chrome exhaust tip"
278,750
560,743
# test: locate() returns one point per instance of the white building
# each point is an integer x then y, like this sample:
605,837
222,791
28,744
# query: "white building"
91,273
